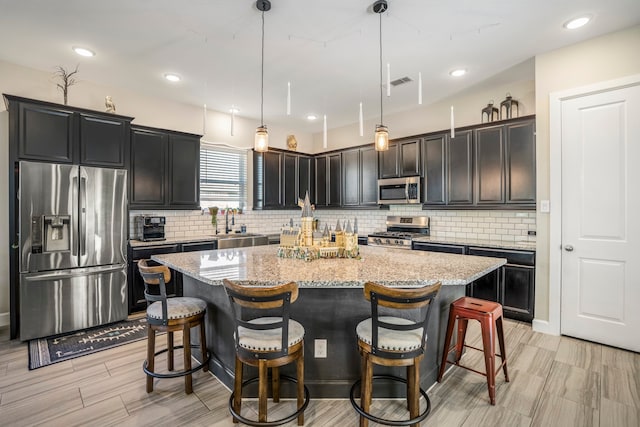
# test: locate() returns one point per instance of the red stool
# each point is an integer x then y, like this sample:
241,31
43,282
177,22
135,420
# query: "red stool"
489,314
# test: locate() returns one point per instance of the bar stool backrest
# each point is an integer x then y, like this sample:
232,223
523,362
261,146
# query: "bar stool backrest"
399,299
265,299
156,275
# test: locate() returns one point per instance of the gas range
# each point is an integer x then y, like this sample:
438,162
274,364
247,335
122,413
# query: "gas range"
400,232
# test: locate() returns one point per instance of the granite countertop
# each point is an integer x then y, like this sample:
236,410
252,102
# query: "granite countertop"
498,244
260,266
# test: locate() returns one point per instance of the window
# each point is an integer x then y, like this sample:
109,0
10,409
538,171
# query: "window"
223,176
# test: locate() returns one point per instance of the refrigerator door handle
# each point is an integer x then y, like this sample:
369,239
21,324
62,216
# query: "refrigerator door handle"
74,215
83,216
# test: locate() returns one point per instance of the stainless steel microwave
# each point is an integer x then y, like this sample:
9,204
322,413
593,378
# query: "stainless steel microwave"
398,191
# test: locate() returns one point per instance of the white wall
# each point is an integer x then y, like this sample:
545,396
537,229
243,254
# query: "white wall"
603,58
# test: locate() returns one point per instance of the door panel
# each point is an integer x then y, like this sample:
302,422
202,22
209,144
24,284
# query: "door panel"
601,238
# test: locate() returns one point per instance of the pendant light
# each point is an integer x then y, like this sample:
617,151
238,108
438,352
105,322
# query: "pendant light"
381,138
261,143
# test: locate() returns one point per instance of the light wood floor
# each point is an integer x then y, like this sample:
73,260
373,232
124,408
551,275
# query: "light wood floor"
555,381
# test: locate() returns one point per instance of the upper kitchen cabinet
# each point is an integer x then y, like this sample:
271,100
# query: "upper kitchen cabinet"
435,170
483,167
521,163
165,169
401,159
281,178
460,169
505,159
359,177
62,134
329,180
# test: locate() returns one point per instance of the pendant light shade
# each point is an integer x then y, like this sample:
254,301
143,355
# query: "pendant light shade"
382,138
382,132
261,142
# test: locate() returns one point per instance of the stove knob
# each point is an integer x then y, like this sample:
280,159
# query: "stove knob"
388,241
378,240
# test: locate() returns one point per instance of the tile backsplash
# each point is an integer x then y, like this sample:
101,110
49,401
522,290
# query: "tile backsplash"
508,225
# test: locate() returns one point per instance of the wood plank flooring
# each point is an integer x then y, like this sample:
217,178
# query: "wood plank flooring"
555,381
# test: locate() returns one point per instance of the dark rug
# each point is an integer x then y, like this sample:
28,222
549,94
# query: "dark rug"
46,351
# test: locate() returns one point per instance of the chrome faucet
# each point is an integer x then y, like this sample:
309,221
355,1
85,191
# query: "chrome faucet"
227,229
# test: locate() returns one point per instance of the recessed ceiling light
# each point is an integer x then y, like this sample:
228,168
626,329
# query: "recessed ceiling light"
312,117
577,22
172,77
458,72
83,51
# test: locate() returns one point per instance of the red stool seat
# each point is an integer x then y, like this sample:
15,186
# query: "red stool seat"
489,314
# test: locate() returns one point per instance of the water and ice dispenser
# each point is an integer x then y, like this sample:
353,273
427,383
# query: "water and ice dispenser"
50,233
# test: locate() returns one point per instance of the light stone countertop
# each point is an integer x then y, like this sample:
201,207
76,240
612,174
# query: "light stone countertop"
260,266
173,241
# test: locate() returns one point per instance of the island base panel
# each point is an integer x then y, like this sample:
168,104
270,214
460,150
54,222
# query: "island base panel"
326,313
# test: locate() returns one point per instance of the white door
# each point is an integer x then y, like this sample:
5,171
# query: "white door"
601,217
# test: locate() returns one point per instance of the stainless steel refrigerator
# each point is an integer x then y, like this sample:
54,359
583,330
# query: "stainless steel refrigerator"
73,231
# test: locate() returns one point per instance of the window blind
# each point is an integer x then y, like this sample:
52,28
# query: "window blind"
223,176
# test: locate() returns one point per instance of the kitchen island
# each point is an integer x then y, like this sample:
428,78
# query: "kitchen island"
330,304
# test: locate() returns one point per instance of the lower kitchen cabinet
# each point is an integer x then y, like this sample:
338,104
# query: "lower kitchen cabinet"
135,284
513,285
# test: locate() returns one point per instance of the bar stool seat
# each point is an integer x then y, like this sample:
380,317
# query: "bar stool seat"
489,314
393,341
165,314
266,341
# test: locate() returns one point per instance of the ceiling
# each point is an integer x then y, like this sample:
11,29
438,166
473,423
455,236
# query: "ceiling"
328,50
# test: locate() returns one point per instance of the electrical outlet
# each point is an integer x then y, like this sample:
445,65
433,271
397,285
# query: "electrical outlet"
531,232
544,206
320,349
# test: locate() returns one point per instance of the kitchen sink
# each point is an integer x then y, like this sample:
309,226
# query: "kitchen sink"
226,241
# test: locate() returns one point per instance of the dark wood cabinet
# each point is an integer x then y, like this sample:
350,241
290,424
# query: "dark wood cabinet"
281,178
321,180
104,141
521,163
505,159
165,169
489,165
439,247
306,177
368,176
515,284
62,134
435,170
334,172
351,174
460,169
401,159
184,171
135,284
486,167
149,151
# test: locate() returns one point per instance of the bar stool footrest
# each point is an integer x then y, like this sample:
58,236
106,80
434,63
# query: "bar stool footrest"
275,422
175,374
384,421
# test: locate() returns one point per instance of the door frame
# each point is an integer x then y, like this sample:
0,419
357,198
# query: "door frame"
553,326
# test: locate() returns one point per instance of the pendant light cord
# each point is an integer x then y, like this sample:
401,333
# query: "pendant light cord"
380,13
262,77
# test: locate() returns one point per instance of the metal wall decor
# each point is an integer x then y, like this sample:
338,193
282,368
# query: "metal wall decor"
490,113
509,107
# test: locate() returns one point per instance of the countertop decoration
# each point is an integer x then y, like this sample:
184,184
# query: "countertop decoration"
307,243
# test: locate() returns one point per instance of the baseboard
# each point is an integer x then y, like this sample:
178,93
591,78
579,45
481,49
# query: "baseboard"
4,319
543,326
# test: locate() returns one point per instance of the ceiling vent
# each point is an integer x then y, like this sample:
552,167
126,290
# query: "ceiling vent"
401,81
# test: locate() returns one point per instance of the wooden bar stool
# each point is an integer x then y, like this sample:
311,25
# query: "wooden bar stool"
489,314
269,340
393,341
170,315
